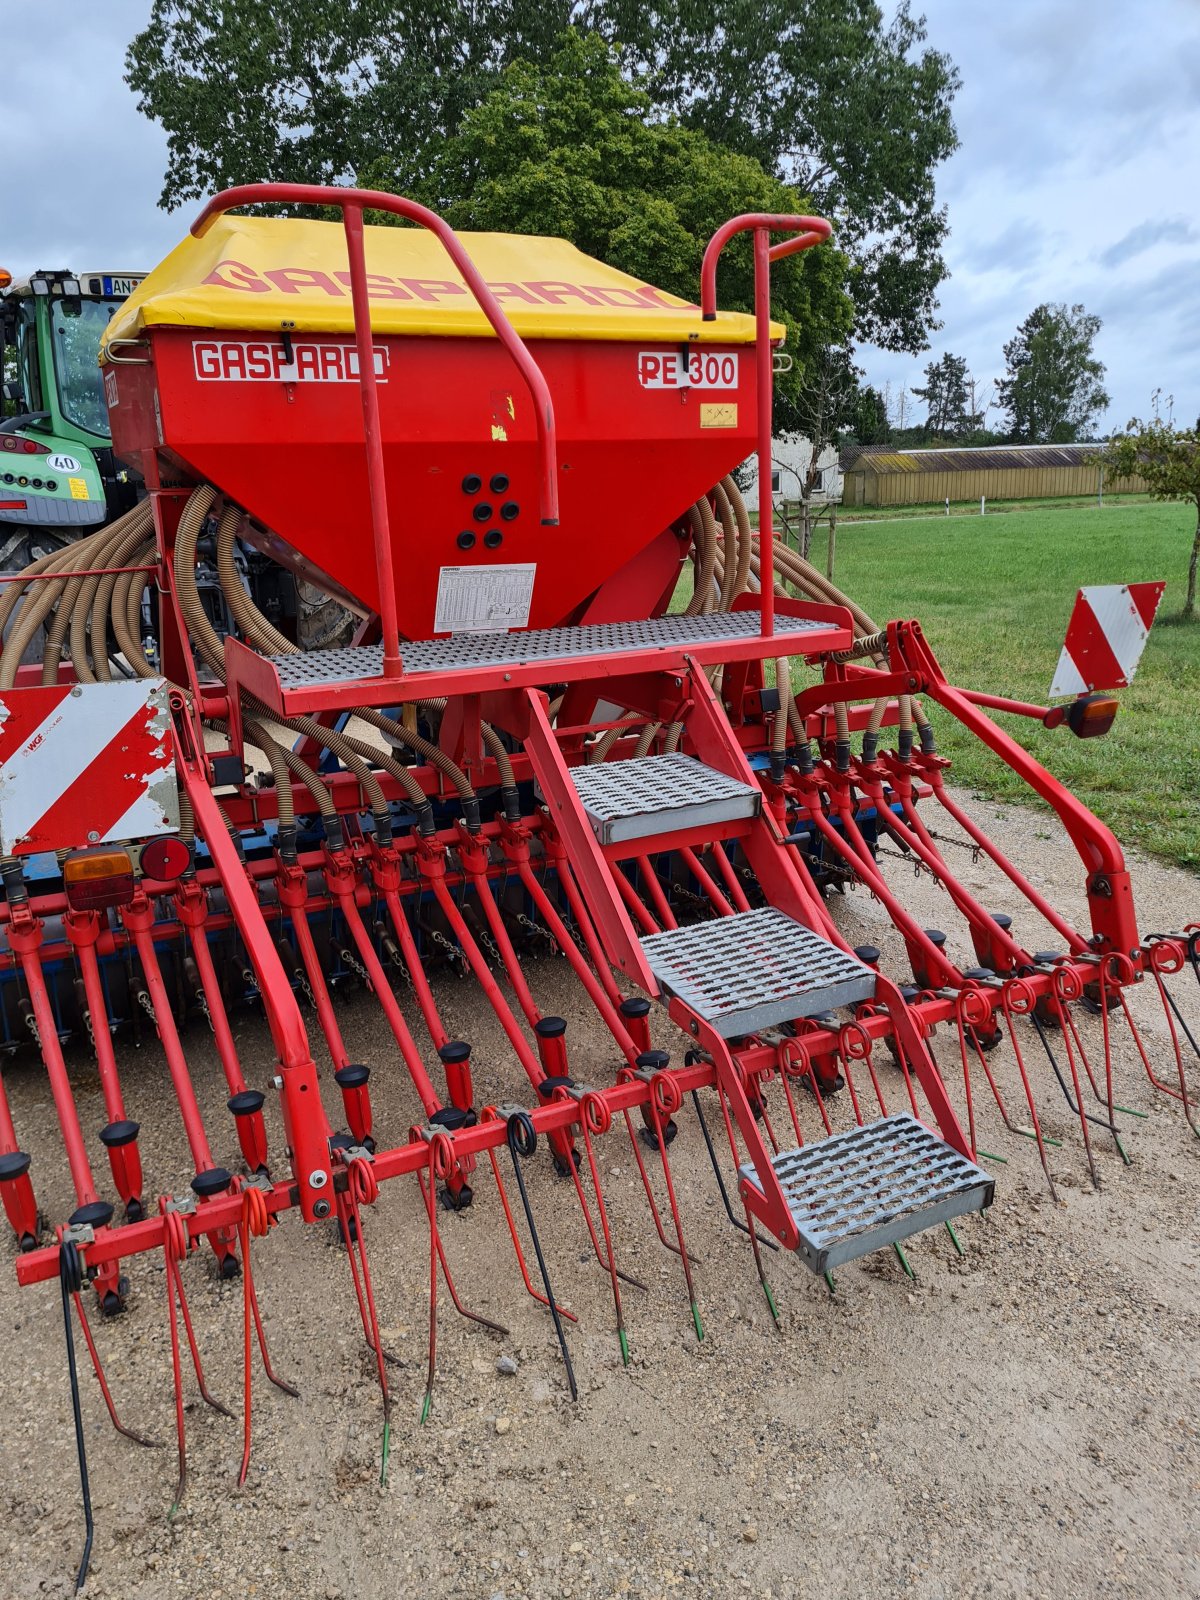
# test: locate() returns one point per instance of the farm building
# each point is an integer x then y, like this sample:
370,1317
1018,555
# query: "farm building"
882,477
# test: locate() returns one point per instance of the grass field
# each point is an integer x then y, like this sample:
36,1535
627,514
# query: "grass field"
994,596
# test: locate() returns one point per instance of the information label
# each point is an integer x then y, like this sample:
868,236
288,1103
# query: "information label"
484,599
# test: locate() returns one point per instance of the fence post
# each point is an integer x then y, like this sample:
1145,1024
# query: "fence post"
947,505
983,505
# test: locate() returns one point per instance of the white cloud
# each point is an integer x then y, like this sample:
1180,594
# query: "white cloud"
1080,161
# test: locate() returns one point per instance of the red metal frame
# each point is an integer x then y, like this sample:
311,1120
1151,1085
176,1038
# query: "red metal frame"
809,231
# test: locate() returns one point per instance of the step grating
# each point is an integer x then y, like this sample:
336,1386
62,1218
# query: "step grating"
463,651
651,795
754,969
869,1188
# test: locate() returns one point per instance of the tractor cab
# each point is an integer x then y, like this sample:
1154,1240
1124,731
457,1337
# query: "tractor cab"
58,476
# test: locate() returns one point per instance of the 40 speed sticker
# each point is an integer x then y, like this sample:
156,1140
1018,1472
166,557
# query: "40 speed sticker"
687,369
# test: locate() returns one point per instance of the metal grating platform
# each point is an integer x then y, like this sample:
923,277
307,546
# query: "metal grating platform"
753,969
651,795
864,1190
462,651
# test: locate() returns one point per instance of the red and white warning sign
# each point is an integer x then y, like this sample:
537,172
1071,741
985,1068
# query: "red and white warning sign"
1105,637
85,763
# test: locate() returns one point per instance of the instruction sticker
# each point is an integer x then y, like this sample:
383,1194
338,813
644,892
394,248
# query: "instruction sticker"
78,488
484,599
718,416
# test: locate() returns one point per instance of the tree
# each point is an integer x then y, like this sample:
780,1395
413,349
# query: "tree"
1054,387
571,149
947,396
850,111
1167,459
869,420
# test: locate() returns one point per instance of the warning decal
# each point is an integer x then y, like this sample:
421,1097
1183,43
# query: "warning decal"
484,599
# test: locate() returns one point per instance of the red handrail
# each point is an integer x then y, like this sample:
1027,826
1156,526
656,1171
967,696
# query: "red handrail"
809,231
351,203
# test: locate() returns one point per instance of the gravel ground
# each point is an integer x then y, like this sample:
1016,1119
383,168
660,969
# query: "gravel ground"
1020,1421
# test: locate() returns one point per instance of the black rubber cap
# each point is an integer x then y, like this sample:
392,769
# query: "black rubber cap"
452,1118
351,1077
118,1133
472,483
13,1165
979,972
246,1103
550,1028
455,1050
548,1085
340,1141
493,538
1002,919
215,1181
909,991
654,1059
466,540
935,937
1046,955
868,953
482,512
636,1006
96,1215
509,511
498,482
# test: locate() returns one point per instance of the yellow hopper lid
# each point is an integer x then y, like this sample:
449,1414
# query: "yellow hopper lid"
262,273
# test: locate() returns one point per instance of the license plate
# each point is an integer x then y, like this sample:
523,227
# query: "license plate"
119,288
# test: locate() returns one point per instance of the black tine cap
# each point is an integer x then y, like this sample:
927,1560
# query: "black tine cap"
246,1103
550,1028
454,1050
96,1215
868,953
118,1133
215,1181
452,1118
655,1060
13,1165
636,1006
351,1077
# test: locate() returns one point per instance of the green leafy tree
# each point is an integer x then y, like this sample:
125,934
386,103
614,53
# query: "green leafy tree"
849,107
1167,459
1054,387
947,397
572,149
852,111
869,419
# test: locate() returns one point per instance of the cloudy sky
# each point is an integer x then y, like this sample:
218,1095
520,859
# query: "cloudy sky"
1078,178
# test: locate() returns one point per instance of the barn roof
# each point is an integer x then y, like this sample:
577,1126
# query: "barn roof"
985,458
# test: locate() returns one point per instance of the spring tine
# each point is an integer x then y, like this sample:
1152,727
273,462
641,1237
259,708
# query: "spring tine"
966,1071
363,1189
254,1220
70,1273
604,1260
1037,1127
749,1228
512,1229
645,1177
150,1444
522,1142
661,1135
1170,1002
594,1111
712,1156
1076,1105
1141,1050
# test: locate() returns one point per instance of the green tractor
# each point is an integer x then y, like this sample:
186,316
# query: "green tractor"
58,477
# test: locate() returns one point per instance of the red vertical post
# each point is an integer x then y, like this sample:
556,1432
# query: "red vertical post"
376,478
766,400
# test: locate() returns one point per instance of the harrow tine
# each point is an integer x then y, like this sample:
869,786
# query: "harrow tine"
522,1142
441,1164
604,1260
71,1280
129,1433
362,1188
645,1177
664,1101
596,1117
1017,999
712,1156
1182,1094
175,1249
749,1228
512,1229
1076,1105
255,1221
